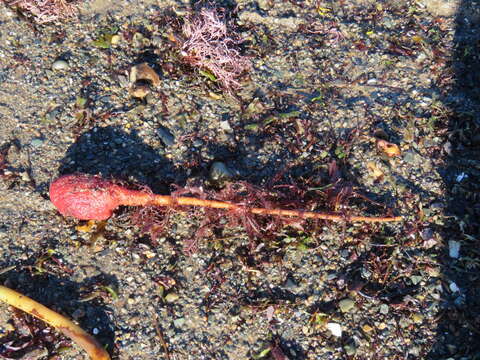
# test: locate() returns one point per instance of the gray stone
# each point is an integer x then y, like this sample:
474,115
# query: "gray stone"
166,136
220,172
404,322
346,305
454,249
441,7
197,143
36,142
331,277
415,279
384,309
291,285
178,323
350,350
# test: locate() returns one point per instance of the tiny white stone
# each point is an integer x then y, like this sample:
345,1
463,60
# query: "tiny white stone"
454,287
60,65
335,329
429,243
422,56
95,331
453,249
224,125
461,176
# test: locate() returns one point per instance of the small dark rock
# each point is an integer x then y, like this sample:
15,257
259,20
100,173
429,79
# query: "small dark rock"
166,136
219,172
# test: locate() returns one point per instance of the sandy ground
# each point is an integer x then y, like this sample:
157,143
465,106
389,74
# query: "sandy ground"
329,79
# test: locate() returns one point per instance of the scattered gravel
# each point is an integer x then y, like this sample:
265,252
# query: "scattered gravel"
328,80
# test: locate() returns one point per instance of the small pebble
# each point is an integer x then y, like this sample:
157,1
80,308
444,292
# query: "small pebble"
331,277
384,309
453,249
166,136
350,350
264,4
115,39
335,329
381,326
460,177
197,143
220,172
415,279
78,314
60,65
367,328
179,322
454,287
171,297
346,305
140,91
225,125
36,142
417,318
123,80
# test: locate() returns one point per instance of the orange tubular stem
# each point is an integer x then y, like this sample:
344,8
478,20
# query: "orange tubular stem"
165,200
60,322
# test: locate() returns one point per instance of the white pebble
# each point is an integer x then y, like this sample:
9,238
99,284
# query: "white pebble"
453,249
461,176
60,65
454,287
335,329
224,125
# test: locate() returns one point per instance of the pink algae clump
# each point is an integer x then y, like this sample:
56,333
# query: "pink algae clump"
84,197
45,11
212,44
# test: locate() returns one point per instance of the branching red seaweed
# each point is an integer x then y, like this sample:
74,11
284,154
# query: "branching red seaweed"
211,43
258,210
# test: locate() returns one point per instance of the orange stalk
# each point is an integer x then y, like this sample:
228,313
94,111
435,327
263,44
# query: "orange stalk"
59,322
88,197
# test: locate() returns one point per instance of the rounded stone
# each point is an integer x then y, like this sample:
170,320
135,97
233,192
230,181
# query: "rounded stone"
171,297
36,142
346,305
60,65
220,172
384,309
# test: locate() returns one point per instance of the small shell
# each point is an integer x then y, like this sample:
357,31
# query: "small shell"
388,148
143,71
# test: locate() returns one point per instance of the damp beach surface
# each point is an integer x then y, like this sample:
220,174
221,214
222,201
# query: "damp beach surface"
370,105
